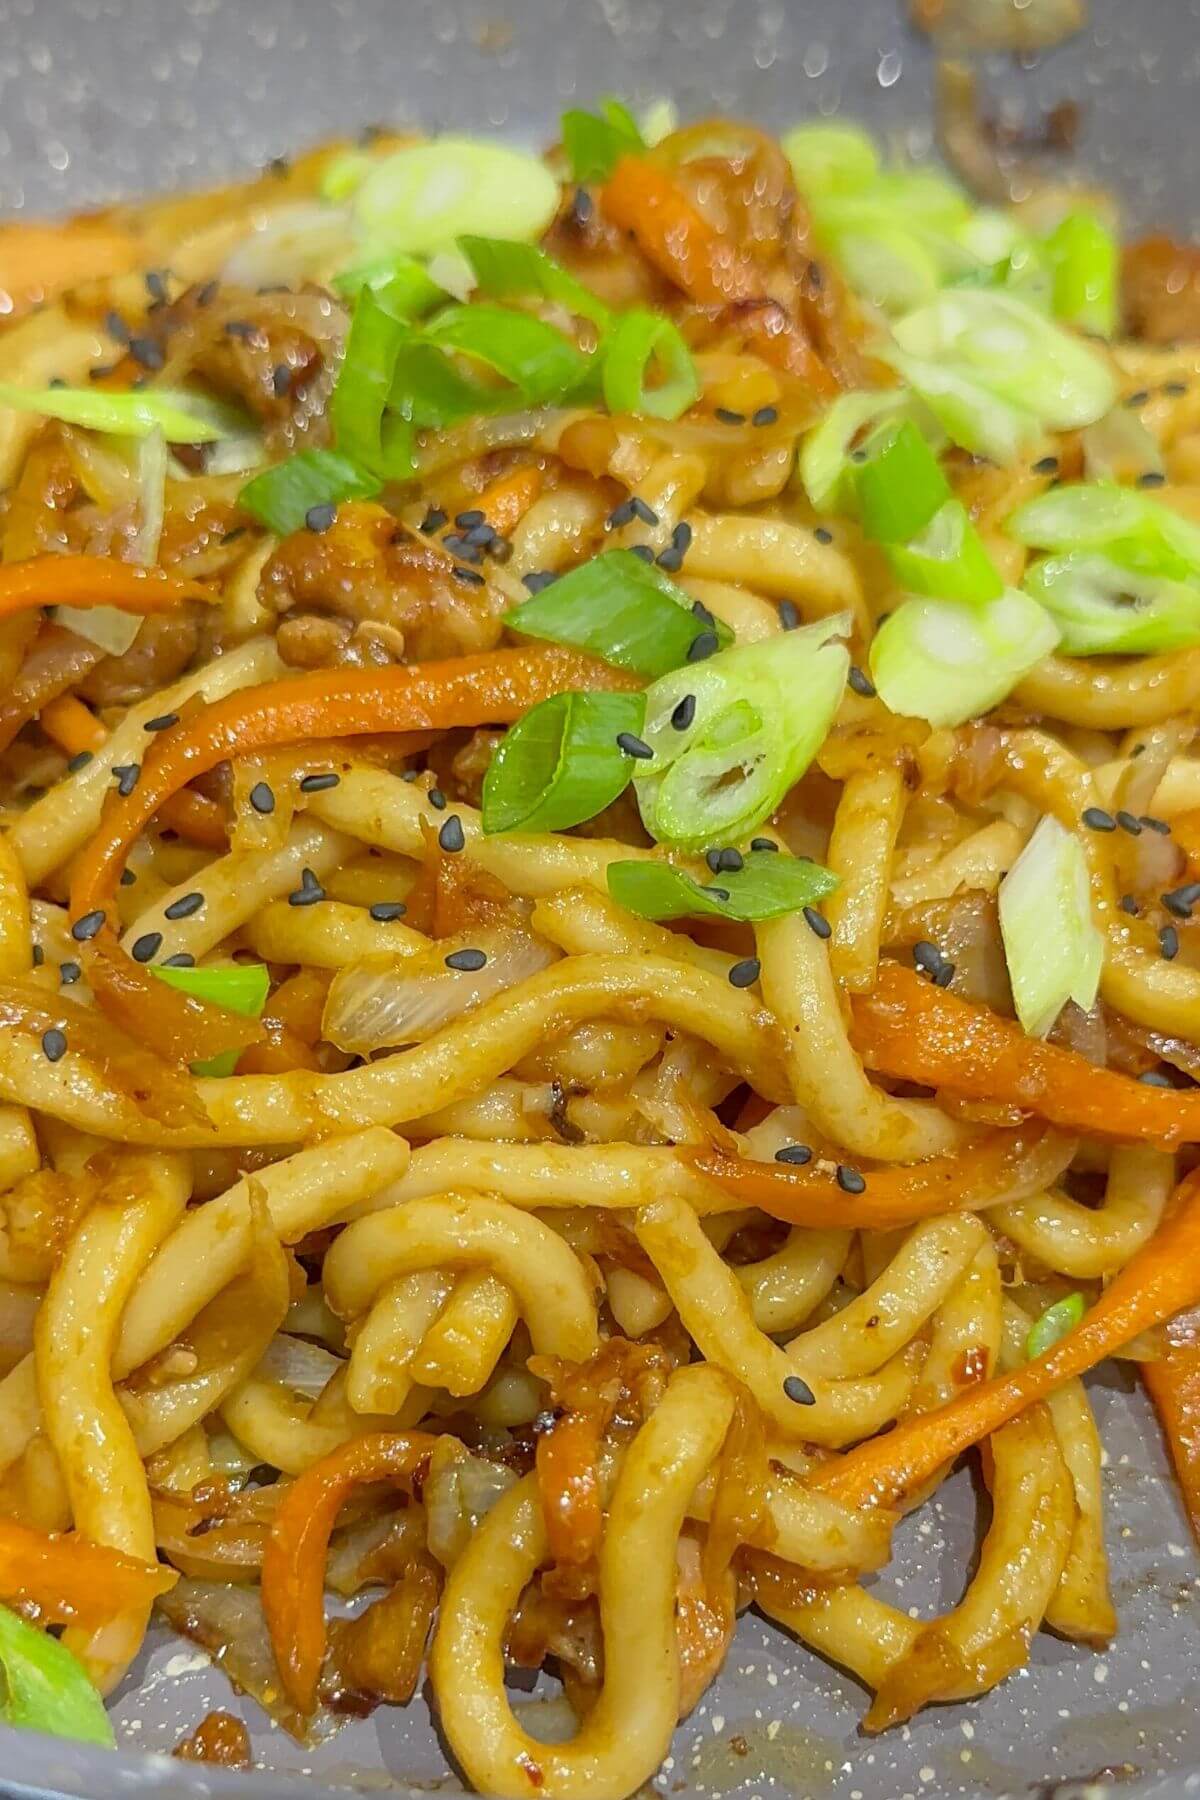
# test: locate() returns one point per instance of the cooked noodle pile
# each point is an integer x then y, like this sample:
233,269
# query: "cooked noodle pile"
576,1276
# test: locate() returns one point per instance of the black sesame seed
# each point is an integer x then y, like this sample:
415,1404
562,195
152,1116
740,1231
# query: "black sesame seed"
163,722
926,956
156,284
620,515
281,379
1176,389
54,1044
1046,465
116,327
410,774
858,456
1096,819
309,892
182,959
1137,399
466,961
634,746
684,712
794,1153
745,973
701,612
582,205
384,911
818,922
38,956
766,415
473,516
452,837
1168,942
670,559
207,294
713,859
798,1390
1129,905
470,577
730,860
321,517
462,546
147,946
231,537
261,798
643,511
1153,478
849,1180
1129,823
1153,824
706,644
437,799
644,552
728,417
317,784
87,926
944,976
861,683
1181,900
681,537
763,844
823,535
434,519
789,615
1152,1078
127,877
80,760
185,906
537,579
126,774
147,351
242,328
69,972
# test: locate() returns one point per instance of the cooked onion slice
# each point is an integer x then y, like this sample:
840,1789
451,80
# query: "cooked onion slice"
382,1001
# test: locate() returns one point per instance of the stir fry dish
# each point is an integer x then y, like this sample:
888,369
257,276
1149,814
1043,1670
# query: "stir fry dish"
599,952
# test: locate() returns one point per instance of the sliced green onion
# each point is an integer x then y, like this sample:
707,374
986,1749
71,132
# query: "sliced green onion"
658,120
239,987
620,608
46,1688
830,158
1106,607
420,199
596,142
824,468
638,341
947,560
345,174
766,886
884,263
1100,515
1014,352
408,290
428,391
1054,1323
1053,949
970,413
947,660
364,382
1120,447
561,763
507,271
539,361
182,418
1086,264
900,486
758,715
281,498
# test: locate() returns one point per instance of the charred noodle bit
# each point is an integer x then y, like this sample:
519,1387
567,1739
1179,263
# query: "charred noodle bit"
739,1203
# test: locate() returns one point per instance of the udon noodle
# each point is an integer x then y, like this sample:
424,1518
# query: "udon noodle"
578,1277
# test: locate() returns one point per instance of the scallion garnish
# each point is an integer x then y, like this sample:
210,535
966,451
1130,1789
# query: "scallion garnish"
947,660
1053,949
1104,607
403,283
421,198
900,485
1085,261
620,608
541,364
761,712
1054,1323
239,987
181,417
281,498
1100,515
831,158
639,342
948,560
364,382
46,1688
765,887
824,468
561,763
595,142
507,271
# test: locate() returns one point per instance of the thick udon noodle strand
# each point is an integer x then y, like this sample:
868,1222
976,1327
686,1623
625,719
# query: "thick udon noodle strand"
588,1271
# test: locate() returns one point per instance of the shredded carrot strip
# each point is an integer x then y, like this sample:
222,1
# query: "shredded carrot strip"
505,503
69,724
910,1030
92,581
1173,1383
329,703
641,198
568,1472
72,1581
293,1570
1163,1277
977,1175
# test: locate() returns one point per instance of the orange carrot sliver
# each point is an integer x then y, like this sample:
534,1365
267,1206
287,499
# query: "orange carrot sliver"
92,581
71,1580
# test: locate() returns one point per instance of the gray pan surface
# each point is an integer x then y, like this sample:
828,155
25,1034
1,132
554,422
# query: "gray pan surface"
101,98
